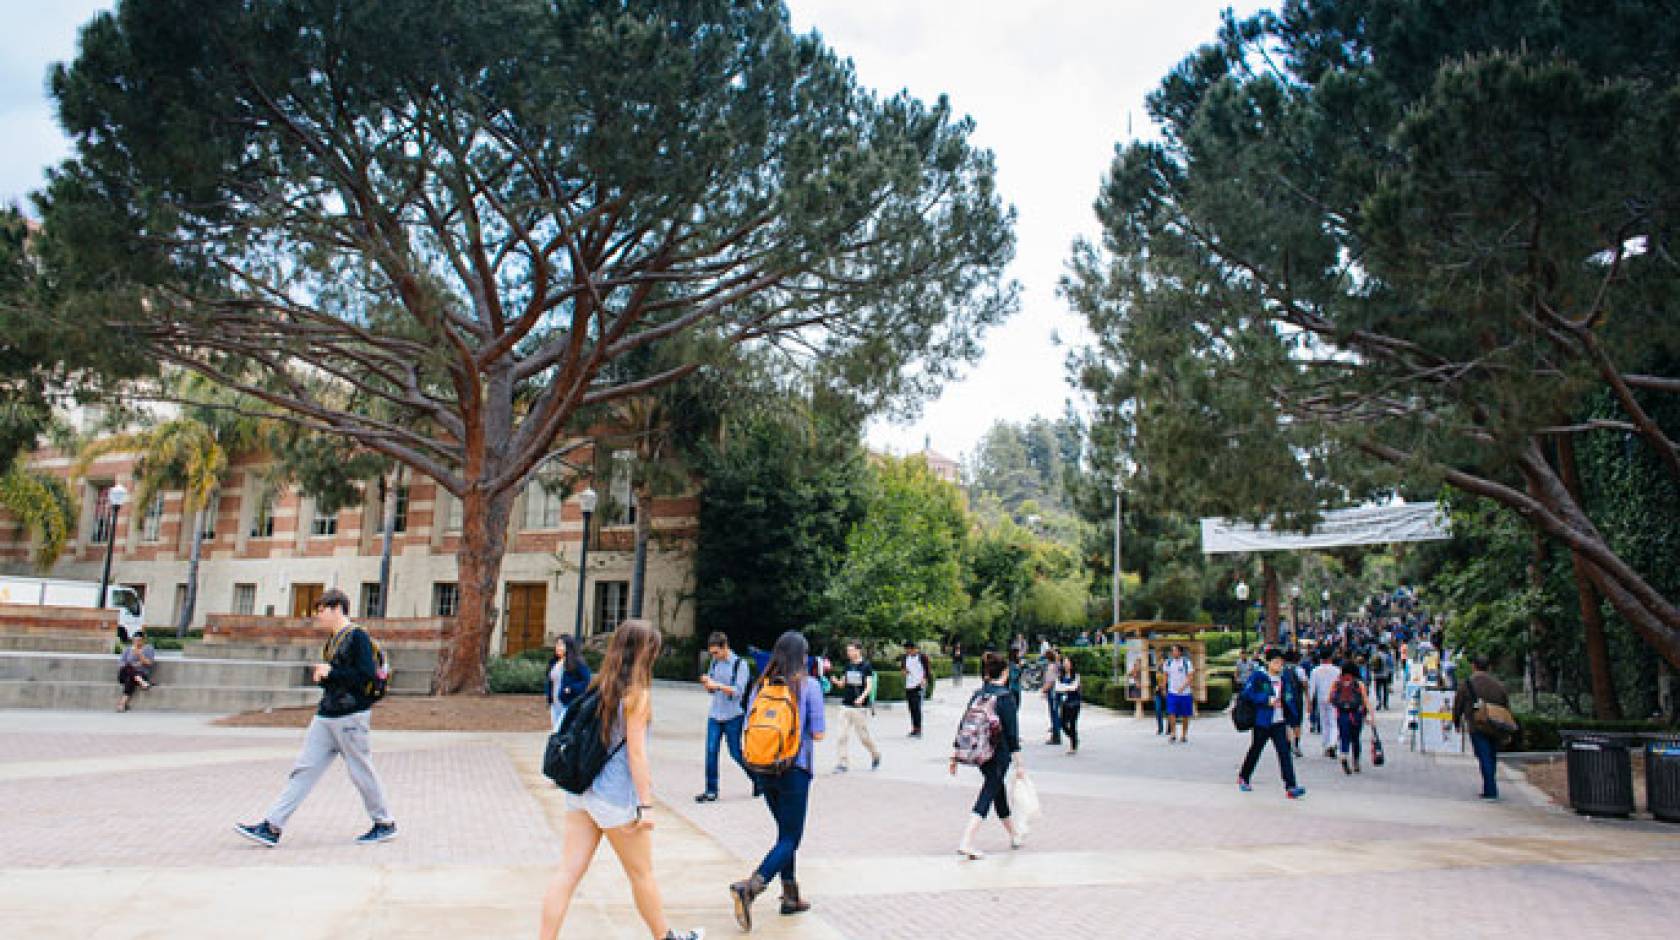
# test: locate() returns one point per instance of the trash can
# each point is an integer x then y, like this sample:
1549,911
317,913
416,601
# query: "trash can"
1662,776
1600,774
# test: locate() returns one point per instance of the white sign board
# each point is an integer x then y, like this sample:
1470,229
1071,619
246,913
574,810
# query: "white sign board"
1435,725
1365,525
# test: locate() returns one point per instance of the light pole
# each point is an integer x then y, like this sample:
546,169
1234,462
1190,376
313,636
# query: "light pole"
1242,613
586,501
1295,611
1329,615
116,496
1119,495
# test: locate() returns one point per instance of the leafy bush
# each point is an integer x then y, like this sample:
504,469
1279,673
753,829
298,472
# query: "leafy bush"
1218,695
515,675
1114,696
1543,733
538,654
677,668
1094,688
889,685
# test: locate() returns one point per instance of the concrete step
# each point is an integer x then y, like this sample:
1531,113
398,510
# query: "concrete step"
15,693
402,659
183,671
57,643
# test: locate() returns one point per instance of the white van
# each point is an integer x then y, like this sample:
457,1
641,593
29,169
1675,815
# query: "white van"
56,592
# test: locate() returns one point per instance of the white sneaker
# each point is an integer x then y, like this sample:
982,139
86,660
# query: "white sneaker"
973,855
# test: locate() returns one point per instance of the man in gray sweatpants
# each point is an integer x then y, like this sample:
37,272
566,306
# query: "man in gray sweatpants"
339,728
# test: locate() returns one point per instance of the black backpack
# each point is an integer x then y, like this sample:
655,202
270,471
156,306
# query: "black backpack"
1244,711
575,754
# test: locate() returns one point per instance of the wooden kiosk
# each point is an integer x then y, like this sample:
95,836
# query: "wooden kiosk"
1147,644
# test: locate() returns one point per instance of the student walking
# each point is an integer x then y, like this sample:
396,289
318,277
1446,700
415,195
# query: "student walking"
1382,675
1296,709
726,679
339,728
1319,684
1269,691
1481,686
1067,689
1053,672
788,792
918,677
1180,674
990,737
1352,702
857,691
616,804
1160,695
567,678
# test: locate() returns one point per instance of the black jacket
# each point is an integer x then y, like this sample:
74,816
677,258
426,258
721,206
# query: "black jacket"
346,690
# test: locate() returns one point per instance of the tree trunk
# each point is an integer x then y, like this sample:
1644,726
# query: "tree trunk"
1269,596
484,522
638,567
388,525
1606,705
197,551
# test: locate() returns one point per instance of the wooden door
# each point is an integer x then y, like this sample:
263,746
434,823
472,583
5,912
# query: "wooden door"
304,597
527,614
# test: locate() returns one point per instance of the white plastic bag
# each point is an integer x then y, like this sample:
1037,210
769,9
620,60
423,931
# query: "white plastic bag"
1023,799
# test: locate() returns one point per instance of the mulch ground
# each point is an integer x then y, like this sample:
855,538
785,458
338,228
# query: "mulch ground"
1552,778
422,713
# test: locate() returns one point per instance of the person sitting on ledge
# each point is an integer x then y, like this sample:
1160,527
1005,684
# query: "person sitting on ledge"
134,669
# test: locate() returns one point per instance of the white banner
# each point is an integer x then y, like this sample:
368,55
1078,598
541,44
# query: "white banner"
1366,525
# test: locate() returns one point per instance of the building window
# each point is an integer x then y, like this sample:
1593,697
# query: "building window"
542,507
400,524
621,499
245,599
325,523
453,513
612,605
446,599
262,521
102,521
151,525
370,600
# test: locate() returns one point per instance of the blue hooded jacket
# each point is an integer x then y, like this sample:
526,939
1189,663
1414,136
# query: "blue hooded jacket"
1259,691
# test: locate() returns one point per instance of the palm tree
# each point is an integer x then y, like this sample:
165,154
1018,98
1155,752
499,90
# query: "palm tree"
43,505
183,453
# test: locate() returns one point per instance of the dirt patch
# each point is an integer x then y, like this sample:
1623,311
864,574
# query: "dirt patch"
422,713
1552,778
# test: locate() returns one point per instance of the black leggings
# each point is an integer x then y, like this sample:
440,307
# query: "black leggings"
129,677
994,791
1070,720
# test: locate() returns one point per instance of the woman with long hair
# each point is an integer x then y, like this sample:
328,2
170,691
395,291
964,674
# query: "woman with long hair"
566,678
616,804
788,793
1067,687
994,789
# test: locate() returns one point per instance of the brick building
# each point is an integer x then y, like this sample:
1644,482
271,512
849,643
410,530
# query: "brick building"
268,552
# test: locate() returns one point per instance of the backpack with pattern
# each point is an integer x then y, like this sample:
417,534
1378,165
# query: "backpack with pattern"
979,731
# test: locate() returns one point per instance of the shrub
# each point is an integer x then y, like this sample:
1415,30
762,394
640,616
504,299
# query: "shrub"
1114,696
1094,688
1218,694
514,675
538,654
889,685
1545,733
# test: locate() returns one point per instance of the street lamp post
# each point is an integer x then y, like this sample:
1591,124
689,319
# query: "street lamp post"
117,495
1295,611
1118,497
586,501
1242,613
1329,615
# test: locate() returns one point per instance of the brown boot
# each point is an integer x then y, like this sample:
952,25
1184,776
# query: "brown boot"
791,901
743,893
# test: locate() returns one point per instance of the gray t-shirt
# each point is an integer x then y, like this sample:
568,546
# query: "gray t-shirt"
138,658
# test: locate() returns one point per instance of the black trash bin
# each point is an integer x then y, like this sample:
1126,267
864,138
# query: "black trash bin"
1662,777
1600,774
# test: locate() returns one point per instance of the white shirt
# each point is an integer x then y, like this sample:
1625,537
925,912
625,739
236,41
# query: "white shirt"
1179,671
913,674
1320,682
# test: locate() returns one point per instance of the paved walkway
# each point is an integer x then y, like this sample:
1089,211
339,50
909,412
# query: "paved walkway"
118,826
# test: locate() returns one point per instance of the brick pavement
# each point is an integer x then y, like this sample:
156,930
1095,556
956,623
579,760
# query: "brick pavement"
1137,834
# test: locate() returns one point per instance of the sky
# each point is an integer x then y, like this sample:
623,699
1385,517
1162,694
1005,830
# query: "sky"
1051,85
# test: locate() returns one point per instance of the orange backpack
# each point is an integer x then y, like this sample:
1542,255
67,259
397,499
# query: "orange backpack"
770,738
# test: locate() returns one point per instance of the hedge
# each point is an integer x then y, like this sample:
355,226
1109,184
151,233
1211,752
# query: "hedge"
1218,697
1545,733
889,685
515,675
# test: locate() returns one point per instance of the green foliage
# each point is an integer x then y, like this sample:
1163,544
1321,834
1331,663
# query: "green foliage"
1545,733
779,499
515,675
42,504
889,685
1218,695
902,575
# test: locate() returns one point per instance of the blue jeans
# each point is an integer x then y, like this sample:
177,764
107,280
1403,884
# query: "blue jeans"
788,796
722,731
1487,755
1055,716
1348,728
